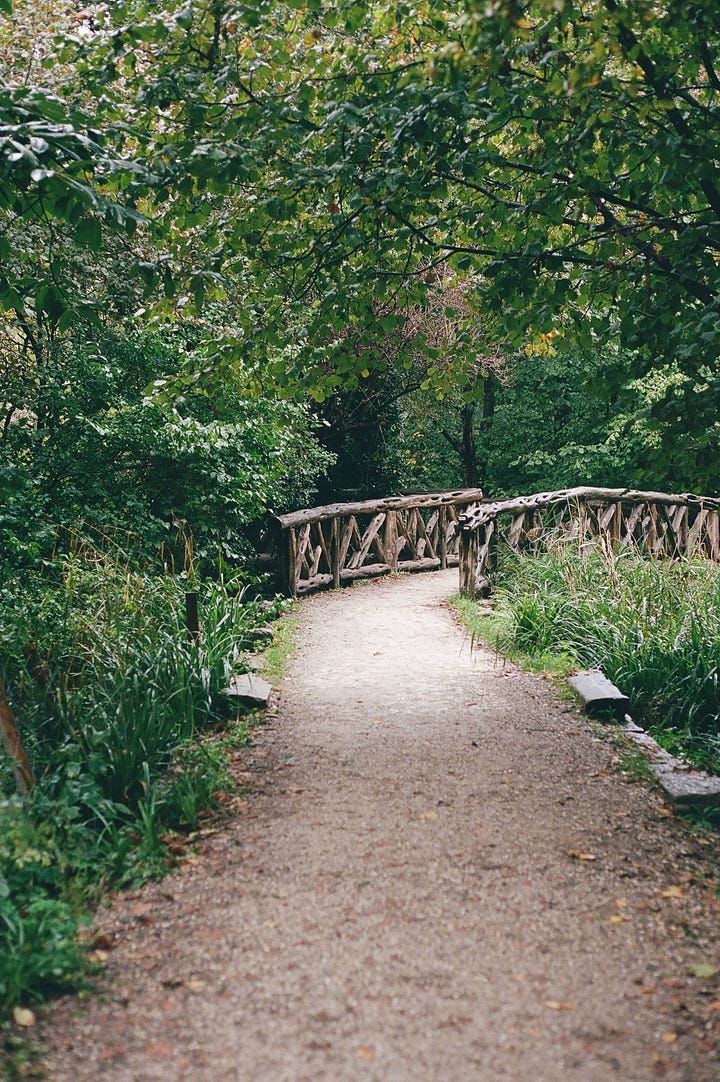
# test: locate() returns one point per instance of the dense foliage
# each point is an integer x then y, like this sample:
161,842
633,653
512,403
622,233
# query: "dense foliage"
313,161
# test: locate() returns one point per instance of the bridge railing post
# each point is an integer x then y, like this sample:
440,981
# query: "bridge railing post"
335,552
390,540
442,537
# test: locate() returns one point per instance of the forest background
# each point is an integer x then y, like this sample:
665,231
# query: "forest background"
259,255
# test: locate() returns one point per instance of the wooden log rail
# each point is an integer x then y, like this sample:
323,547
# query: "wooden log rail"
328,546
653,522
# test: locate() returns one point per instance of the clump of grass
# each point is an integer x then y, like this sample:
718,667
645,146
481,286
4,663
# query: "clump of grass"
652,626
116,703
276,657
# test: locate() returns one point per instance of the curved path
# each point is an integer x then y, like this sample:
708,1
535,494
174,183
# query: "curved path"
407,898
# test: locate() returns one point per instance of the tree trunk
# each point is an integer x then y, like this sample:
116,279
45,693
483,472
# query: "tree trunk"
489,385
469,449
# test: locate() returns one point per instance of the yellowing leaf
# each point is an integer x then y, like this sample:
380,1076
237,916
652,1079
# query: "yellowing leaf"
23,1016
429,815
580,856
704,969
672,892
669,1038
558,1005
364,1052
619,919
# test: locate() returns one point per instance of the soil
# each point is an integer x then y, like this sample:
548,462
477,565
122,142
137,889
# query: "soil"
442,874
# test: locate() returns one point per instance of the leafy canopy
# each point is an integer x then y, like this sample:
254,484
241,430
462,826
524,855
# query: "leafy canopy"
310,161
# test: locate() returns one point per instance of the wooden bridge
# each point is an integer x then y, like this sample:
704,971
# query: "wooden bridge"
339,543
653,522
329,546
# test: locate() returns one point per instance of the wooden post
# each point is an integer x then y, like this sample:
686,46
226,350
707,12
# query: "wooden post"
390,540
468,545
442,536
291,575
192,620
14,746
335,552
713,531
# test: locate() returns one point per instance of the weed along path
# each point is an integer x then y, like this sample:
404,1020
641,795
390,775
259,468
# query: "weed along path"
442,876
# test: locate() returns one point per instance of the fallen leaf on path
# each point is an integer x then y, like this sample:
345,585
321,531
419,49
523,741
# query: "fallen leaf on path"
188,985
159,1048
576,855
672,892
364,1052
619,919
23,1016
104,941
142,909
669,1038
113,1052
429,815
558,1005
715,1005
704,969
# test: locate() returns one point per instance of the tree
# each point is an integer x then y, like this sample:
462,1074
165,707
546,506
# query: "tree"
564,152
314,160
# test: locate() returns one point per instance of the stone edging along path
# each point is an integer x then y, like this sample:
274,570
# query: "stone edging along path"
685,787
441,876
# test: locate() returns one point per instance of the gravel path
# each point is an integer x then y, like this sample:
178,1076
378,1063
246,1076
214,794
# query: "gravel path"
406,897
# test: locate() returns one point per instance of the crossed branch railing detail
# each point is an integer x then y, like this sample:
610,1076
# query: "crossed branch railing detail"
328,546
654,522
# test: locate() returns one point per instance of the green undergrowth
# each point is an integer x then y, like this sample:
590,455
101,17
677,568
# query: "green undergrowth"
652,626
276,656
121,714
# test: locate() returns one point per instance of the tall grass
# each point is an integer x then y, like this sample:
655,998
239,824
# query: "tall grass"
652,626
114,700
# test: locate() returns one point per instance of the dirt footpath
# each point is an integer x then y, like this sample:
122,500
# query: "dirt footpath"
443,877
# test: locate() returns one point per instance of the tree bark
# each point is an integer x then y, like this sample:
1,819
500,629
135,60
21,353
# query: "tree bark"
469,447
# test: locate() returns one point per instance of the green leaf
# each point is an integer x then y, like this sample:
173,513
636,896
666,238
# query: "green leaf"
88,232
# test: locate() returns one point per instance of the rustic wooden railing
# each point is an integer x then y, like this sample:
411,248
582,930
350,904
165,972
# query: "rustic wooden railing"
653,522
328,546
